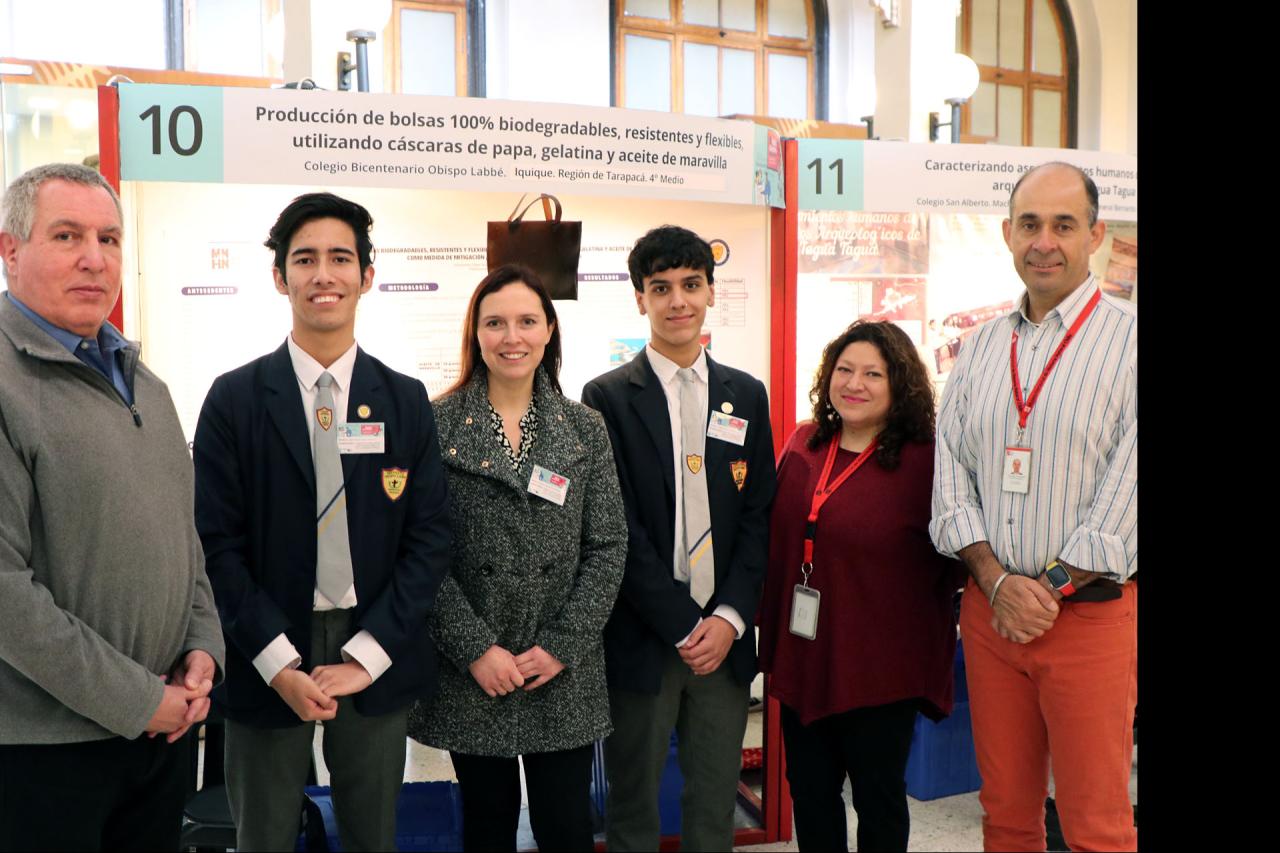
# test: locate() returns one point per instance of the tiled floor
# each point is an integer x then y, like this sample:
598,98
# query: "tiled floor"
946,824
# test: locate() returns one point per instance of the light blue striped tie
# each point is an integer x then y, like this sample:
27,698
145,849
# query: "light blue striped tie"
699,564
333,548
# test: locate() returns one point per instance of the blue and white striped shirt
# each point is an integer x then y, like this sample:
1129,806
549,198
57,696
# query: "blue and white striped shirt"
1082,503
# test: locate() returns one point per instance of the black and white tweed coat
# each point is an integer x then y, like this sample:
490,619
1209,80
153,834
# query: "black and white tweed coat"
525,572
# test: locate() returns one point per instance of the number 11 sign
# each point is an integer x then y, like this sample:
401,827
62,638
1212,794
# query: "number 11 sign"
830,174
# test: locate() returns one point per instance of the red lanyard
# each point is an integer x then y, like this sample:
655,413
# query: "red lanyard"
1025,406
824,491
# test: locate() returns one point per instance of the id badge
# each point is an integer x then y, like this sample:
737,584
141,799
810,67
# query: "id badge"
549,485
728,428
362,438
804,611
1017,469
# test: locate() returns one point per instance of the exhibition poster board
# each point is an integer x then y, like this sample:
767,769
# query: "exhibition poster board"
203,172
912,233
206,171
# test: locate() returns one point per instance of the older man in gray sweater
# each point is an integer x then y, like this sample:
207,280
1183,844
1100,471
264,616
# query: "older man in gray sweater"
107,624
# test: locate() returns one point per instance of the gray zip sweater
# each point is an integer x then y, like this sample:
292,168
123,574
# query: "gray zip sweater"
102,582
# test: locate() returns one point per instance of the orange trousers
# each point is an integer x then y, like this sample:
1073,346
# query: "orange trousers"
1070,693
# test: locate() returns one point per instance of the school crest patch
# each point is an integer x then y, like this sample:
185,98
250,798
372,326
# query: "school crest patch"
694,461
324,417
738,468
393,482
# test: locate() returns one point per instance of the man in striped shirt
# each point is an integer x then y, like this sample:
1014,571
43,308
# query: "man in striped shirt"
1036,489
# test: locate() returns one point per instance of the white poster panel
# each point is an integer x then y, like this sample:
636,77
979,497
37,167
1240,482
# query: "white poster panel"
207,303
241,135
977,179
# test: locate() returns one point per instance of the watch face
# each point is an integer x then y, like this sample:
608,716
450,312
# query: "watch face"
1058,576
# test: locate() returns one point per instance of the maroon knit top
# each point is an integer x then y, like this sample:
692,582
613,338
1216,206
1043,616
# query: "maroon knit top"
886,625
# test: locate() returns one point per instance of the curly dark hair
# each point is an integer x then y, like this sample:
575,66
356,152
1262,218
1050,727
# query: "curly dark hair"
911,410
669,247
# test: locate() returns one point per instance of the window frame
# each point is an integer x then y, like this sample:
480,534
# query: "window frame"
468,40
675,30
1024,78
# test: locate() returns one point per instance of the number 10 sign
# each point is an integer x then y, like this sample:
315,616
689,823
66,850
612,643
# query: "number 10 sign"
170,133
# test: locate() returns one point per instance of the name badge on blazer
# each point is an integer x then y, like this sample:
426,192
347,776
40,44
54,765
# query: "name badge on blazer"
728,428
549,485
362,438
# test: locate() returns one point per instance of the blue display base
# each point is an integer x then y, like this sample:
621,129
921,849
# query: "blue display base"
428,816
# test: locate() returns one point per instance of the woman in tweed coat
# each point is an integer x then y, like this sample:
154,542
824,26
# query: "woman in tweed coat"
519,619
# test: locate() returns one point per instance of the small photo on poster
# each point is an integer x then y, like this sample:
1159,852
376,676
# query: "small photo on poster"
863,243
947,334
622,350
1119,277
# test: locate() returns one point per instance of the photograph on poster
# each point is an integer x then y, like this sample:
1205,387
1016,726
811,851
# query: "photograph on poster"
199,320
1116,261
863,243
964,278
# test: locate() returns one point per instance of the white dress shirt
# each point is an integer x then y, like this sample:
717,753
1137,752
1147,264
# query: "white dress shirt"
362,647
666,369
1082,501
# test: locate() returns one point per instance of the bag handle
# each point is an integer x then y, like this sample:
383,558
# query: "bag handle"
514,219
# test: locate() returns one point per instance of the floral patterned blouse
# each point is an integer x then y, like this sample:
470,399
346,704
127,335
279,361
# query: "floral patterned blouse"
528,432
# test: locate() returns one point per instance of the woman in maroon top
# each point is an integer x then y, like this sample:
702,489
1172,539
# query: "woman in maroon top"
882,644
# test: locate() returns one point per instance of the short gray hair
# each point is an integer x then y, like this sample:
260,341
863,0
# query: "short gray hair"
18,210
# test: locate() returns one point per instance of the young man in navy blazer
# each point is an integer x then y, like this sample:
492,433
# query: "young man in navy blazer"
357,656
671,660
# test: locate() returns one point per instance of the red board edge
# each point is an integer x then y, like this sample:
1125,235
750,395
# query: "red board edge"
784,243
109,164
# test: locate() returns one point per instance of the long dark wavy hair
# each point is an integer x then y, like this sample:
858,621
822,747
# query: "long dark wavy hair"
911,408
492,283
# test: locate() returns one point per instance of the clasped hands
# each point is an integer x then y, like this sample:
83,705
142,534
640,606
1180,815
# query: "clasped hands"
185,700
708,644
315,696
1024,609
498,672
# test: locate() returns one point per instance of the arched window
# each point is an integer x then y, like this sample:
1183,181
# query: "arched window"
721,57
1027,60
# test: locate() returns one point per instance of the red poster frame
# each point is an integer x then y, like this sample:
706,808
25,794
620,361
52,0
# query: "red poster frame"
774,806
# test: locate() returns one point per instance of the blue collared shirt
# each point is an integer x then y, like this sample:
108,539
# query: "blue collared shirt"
100,353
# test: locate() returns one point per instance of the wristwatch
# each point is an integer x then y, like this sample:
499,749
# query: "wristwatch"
1060,579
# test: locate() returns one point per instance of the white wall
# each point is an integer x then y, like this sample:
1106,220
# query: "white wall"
548,50
128,33
316,31
1118,116
907,69
851,61
1107,38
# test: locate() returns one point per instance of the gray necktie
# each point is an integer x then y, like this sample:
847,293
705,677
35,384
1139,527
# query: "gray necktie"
698,564
333,548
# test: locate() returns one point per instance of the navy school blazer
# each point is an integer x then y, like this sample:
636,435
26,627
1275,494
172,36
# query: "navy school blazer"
653,610
255,510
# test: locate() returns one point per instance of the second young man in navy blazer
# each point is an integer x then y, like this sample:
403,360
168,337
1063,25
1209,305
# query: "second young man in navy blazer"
358,656
674,660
